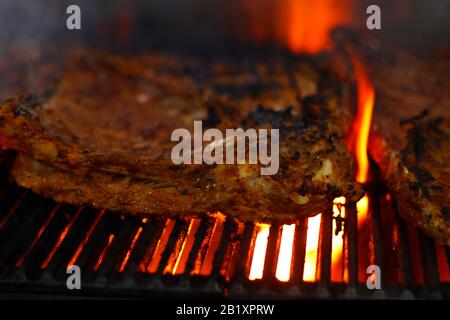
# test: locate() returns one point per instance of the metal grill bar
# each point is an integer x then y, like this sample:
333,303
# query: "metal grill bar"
124,252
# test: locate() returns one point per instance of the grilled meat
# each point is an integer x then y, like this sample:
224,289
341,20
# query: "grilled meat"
102,138
411,131
26,69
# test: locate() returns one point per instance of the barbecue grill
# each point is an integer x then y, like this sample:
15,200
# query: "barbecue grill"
124,256
215,256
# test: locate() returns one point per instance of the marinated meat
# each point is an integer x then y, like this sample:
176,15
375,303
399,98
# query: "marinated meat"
411,131
102,137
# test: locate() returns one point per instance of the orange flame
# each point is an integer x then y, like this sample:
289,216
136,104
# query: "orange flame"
339,271
306,25
363,120
362,208
303,26
358,143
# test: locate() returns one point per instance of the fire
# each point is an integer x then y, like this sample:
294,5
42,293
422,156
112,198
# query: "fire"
312,244
302,26
283,272
306,25
305,28
363,120
362,208
358,143
259,252
339,272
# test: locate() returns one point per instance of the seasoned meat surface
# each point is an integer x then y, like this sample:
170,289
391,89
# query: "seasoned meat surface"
411,131
102,137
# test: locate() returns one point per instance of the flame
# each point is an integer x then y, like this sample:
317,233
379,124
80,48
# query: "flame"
305,25
312,244
302,26
358,143
259,251
363,120
362,209
365,240
283,272
339,271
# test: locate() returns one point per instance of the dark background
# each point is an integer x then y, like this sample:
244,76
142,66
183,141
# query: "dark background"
205,25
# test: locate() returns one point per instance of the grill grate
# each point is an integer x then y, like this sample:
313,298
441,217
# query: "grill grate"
130,256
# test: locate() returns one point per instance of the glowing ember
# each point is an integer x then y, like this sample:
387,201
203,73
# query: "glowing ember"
178,259
22,258
102,255
85,239
283,272
312,244
442,264
156,257
339,272
259,252
203,264
131,247
61,238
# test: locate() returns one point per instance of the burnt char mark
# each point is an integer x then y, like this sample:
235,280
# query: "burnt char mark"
261,116
213,118
415,118
28,103
418,144
420,137
311,102
252,89
445,213
288,124
316,111
417,139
